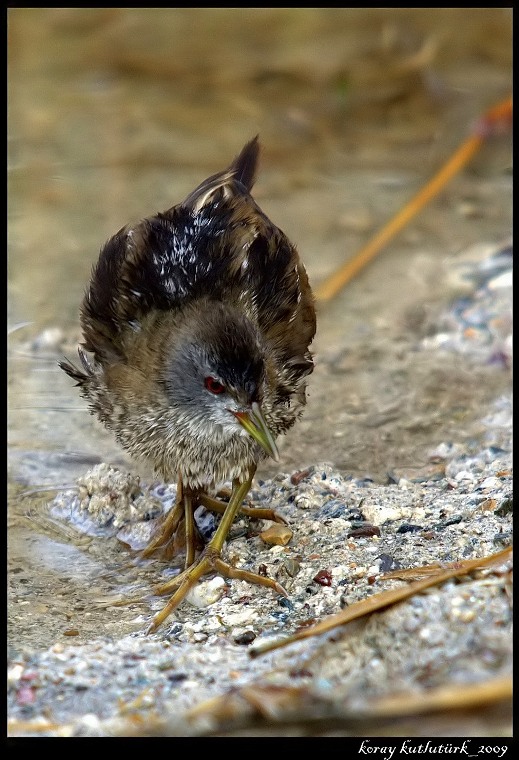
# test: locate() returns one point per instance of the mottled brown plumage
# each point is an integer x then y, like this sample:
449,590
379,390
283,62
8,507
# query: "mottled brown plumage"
198,323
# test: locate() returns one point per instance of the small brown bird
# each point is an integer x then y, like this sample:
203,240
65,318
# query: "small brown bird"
198,321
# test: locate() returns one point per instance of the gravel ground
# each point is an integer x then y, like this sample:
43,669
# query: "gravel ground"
344,534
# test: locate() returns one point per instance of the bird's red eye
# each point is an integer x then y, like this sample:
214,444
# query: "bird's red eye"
213,385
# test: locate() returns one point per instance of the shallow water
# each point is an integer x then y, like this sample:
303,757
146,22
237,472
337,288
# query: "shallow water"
117,113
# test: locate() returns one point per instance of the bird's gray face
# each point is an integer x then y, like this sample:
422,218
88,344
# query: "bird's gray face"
216,383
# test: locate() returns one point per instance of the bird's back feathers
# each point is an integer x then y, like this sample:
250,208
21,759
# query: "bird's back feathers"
217,243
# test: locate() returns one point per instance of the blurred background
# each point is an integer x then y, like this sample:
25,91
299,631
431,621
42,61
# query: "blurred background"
117,113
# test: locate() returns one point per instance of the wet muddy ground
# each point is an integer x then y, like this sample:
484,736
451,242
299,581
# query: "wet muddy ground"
114,114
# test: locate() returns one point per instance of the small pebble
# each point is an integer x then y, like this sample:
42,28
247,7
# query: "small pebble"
206,593
292,567
278,535
323,578
245,638
366,530
505,508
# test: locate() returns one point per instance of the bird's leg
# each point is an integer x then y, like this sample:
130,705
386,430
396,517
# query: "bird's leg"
210,560
190,529
179,520
215,505
168,527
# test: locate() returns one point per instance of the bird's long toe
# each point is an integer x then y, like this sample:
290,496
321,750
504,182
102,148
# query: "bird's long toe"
210,560
182,583
228,571
255,513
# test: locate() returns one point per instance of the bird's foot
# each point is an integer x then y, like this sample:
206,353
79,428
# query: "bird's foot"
210,560
177,531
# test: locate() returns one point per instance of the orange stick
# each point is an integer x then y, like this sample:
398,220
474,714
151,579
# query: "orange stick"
494,120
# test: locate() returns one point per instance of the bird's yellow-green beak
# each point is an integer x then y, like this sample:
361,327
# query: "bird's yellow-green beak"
255,425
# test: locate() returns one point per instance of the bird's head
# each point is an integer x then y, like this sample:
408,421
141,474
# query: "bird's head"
215,376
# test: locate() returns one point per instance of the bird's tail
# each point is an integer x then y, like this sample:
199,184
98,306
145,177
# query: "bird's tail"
238,178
